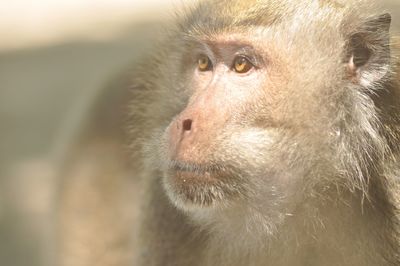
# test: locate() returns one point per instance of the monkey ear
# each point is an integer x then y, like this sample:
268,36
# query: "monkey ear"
368,51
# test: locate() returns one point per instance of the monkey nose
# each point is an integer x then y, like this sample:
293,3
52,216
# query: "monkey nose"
187,125
181,137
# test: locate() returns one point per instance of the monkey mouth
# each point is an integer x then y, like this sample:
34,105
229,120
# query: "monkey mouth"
200,184
189,171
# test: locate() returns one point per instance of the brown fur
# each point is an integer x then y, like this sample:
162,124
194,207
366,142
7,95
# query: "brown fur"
337,151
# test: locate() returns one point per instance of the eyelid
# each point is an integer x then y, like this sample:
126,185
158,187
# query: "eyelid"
202,52
252,60
249,53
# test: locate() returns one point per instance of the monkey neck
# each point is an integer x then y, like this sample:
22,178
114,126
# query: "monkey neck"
320,232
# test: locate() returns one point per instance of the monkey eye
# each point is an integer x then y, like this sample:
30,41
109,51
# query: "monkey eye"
242,65
204,63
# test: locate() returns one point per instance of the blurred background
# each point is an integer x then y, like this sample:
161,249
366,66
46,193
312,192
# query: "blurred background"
55,56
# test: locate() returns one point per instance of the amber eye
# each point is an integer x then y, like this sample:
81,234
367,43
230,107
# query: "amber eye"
242,64
204,63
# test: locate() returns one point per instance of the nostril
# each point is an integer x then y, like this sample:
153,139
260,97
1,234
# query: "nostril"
187,124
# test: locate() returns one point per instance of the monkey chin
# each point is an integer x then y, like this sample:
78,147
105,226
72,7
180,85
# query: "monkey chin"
191,187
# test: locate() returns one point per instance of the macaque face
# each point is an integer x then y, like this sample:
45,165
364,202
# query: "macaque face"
267,111
226,143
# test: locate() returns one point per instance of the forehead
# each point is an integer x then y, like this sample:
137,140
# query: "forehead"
243,37
253,40
251,19
221,14
212,17
285,29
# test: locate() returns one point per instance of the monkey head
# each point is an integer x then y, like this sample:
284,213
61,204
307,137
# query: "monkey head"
265,113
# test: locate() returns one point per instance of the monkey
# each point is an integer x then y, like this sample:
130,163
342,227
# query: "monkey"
257,133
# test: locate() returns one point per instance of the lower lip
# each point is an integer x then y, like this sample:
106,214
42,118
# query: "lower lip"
189,176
